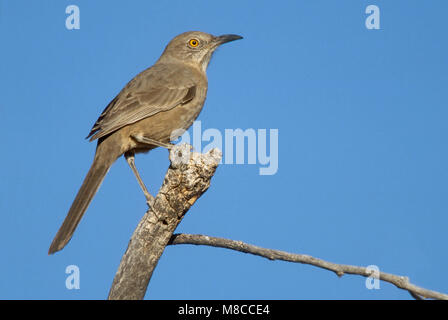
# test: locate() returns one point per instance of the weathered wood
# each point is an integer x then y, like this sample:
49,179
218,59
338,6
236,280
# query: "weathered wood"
340,269
187,178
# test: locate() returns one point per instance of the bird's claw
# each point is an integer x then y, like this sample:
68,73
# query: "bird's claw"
150,201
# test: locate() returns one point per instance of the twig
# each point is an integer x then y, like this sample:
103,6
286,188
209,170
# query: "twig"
340,269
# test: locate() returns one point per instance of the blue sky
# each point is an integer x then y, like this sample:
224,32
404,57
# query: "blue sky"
362,122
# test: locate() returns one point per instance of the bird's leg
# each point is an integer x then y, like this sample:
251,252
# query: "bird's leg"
152,142
130,158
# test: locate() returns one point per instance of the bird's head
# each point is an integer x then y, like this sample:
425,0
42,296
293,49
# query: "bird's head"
195,47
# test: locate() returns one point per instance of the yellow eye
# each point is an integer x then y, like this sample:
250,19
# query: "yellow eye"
193,43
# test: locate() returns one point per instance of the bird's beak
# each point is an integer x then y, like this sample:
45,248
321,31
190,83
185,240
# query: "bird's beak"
227,38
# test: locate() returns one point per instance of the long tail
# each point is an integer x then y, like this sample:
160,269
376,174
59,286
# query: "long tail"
100,166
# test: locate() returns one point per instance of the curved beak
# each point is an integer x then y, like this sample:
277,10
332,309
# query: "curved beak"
227,38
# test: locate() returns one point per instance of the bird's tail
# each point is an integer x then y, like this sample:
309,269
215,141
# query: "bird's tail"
101,164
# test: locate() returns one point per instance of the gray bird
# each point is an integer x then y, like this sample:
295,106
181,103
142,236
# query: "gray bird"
150,111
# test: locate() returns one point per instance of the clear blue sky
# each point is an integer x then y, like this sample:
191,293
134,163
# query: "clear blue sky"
363,157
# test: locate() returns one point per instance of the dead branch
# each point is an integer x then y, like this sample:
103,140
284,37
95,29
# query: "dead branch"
340,269
187,178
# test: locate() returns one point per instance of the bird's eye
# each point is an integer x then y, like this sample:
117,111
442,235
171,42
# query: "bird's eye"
193,43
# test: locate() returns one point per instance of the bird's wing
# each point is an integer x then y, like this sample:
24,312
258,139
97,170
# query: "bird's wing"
150,92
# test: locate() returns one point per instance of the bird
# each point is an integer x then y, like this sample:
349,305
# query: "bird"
152,110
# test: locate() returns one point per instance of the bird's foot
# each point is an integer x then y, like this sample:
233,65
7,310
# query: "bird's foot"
150,200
